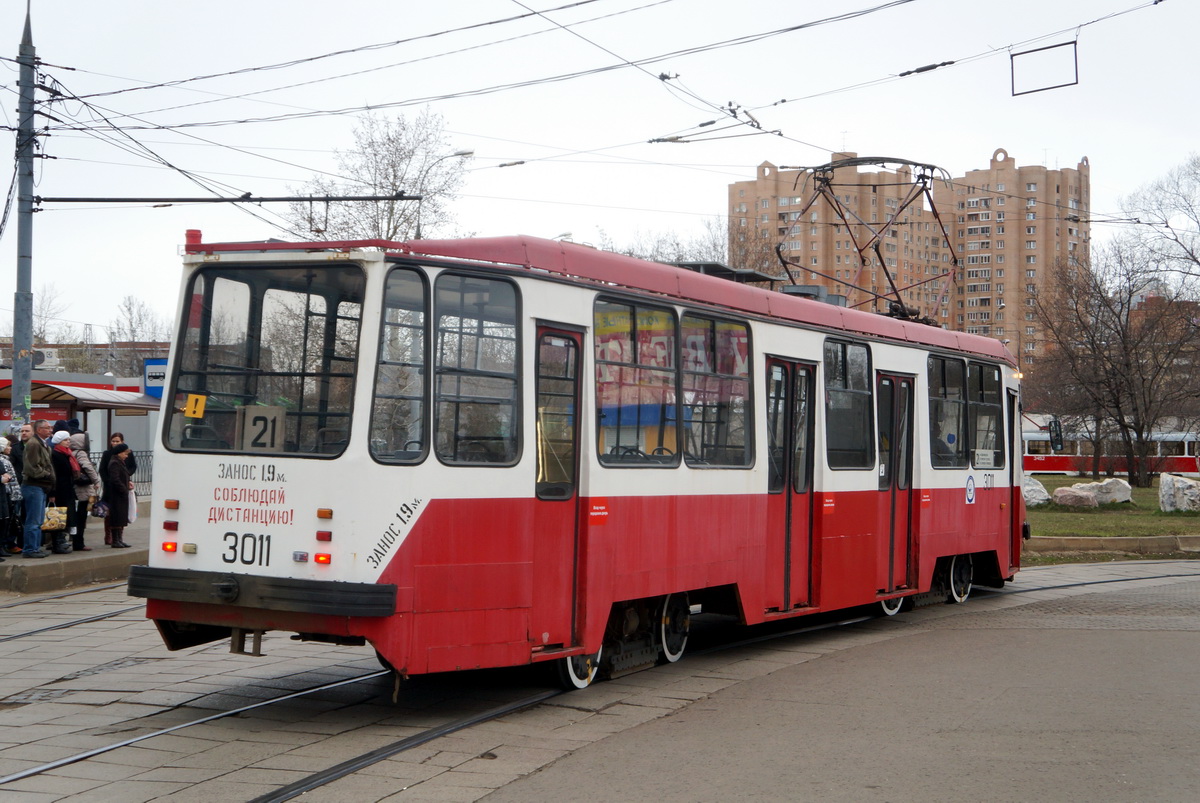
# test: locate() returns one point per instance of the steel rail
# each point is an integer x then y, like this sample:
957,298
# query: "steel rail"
326,776
63,625
62,762
62,595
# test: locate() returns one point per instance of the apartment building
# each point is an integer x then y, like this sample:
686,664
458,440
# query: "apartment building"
1008,225
831,241
1014,225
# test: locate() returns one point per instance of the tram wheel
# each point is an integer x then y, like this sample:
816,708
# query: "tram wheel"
578,671
961,576
891,607
675,622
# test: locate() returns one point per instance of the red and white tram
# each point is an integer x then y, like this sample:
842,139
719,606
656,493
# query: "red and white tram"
494,452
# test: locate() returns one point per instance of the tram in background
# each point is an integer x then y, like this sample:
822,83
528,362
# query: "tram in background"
503,451
1175,452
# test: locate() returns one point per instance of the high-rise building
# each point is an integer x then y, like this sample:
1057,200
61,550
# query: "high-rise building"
1015,224
1008,225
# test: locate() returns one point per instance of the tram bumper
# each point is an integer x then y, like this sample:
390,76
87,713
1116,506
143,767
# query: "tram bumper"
194,607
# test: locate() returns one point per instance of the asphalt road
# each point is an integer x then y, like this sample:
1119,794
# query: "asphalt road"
1090,696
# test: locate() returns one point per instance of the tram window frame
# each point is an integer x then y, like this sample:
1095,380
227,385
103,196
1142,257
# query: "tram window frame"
625,353
237,390
713,422
849,407
948,403
985,402
382,443
453,384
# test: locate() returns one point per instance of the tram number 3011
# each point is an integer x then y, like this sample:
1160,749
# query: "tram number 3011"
248,548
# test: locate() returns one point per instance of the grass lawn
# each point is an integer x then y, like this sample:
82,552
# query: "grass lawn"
1139,518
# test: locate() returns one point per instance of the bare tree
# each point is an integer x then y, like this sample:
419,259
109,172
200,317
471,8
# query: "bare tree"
390,156
135,334
1170,207
1128,342
1049,387
48,307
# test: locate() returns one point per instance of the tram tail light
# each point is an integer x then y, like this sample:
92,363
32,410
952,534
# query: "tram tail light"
171,504
323,557
324,535
171,525
324,513
170,546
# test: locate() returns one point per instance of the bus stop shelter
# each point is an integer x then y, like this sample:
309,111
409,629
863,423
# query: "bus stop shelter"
59,401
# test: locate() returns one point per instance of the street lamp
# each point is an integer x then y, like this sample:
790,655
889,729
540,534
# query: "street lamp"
421,181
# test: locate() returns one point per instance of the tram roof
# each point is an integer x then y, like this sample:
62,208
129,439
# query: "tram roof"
575,261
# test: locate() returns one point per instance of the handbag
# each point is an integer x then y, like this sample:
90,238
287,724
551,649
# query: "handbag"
56,519
100,510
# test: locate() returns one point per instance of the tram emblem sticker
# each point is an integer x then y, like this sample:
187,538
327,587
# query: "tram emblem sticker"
970,490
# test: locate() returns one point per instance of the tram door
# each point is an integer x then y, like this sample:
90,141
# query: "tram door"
895,404
789,527
1016,450
556,546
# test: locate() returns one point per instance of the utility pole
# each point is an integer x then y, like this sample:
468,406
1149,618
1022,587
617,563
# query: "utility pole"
22,356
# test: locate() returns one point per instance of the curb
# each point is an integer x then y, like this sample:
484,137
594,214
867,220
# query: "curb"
1157,544
22,576
103,564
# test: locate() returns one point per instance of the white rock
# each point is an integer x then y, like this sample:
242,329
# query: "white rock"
1111,490
1178,493
1035,493
1074,497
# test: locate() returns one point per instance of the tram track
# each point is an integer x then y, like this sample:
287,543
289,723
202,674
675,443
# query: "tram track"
63,595
73,623
328,775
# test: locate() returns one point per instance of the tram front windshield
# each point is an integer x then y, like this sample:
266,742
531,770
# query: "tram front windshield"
267,360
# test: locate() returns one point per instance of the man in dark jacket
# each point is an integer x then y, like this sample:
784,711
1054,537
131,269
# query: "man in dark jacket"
36,483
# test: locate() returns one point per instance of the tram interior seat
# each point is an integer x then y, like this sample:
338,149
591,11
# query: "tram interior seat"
202,436
332,440
412,451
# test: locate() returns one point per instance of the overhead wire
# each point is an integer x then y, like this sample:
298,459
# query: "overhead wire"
562,77
995,51
323,56
366,71
139,149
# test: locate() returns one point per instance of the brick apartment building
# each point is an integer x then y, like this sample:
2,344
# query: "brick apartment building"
1008,225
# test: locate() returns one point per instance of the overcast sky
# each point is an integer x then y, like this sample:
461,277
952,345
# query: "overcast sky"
589,168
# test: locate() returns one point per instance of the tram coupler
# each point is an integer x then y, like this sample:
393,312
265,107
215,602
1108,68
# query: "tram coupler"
237,642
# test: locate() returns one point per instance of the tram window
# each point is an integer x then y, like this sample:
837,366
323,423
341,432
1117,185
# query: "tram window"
268,360
475,385
987,435
849,435
1170,448
777,419
716,392
557,380
636,390
398,428
947,413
